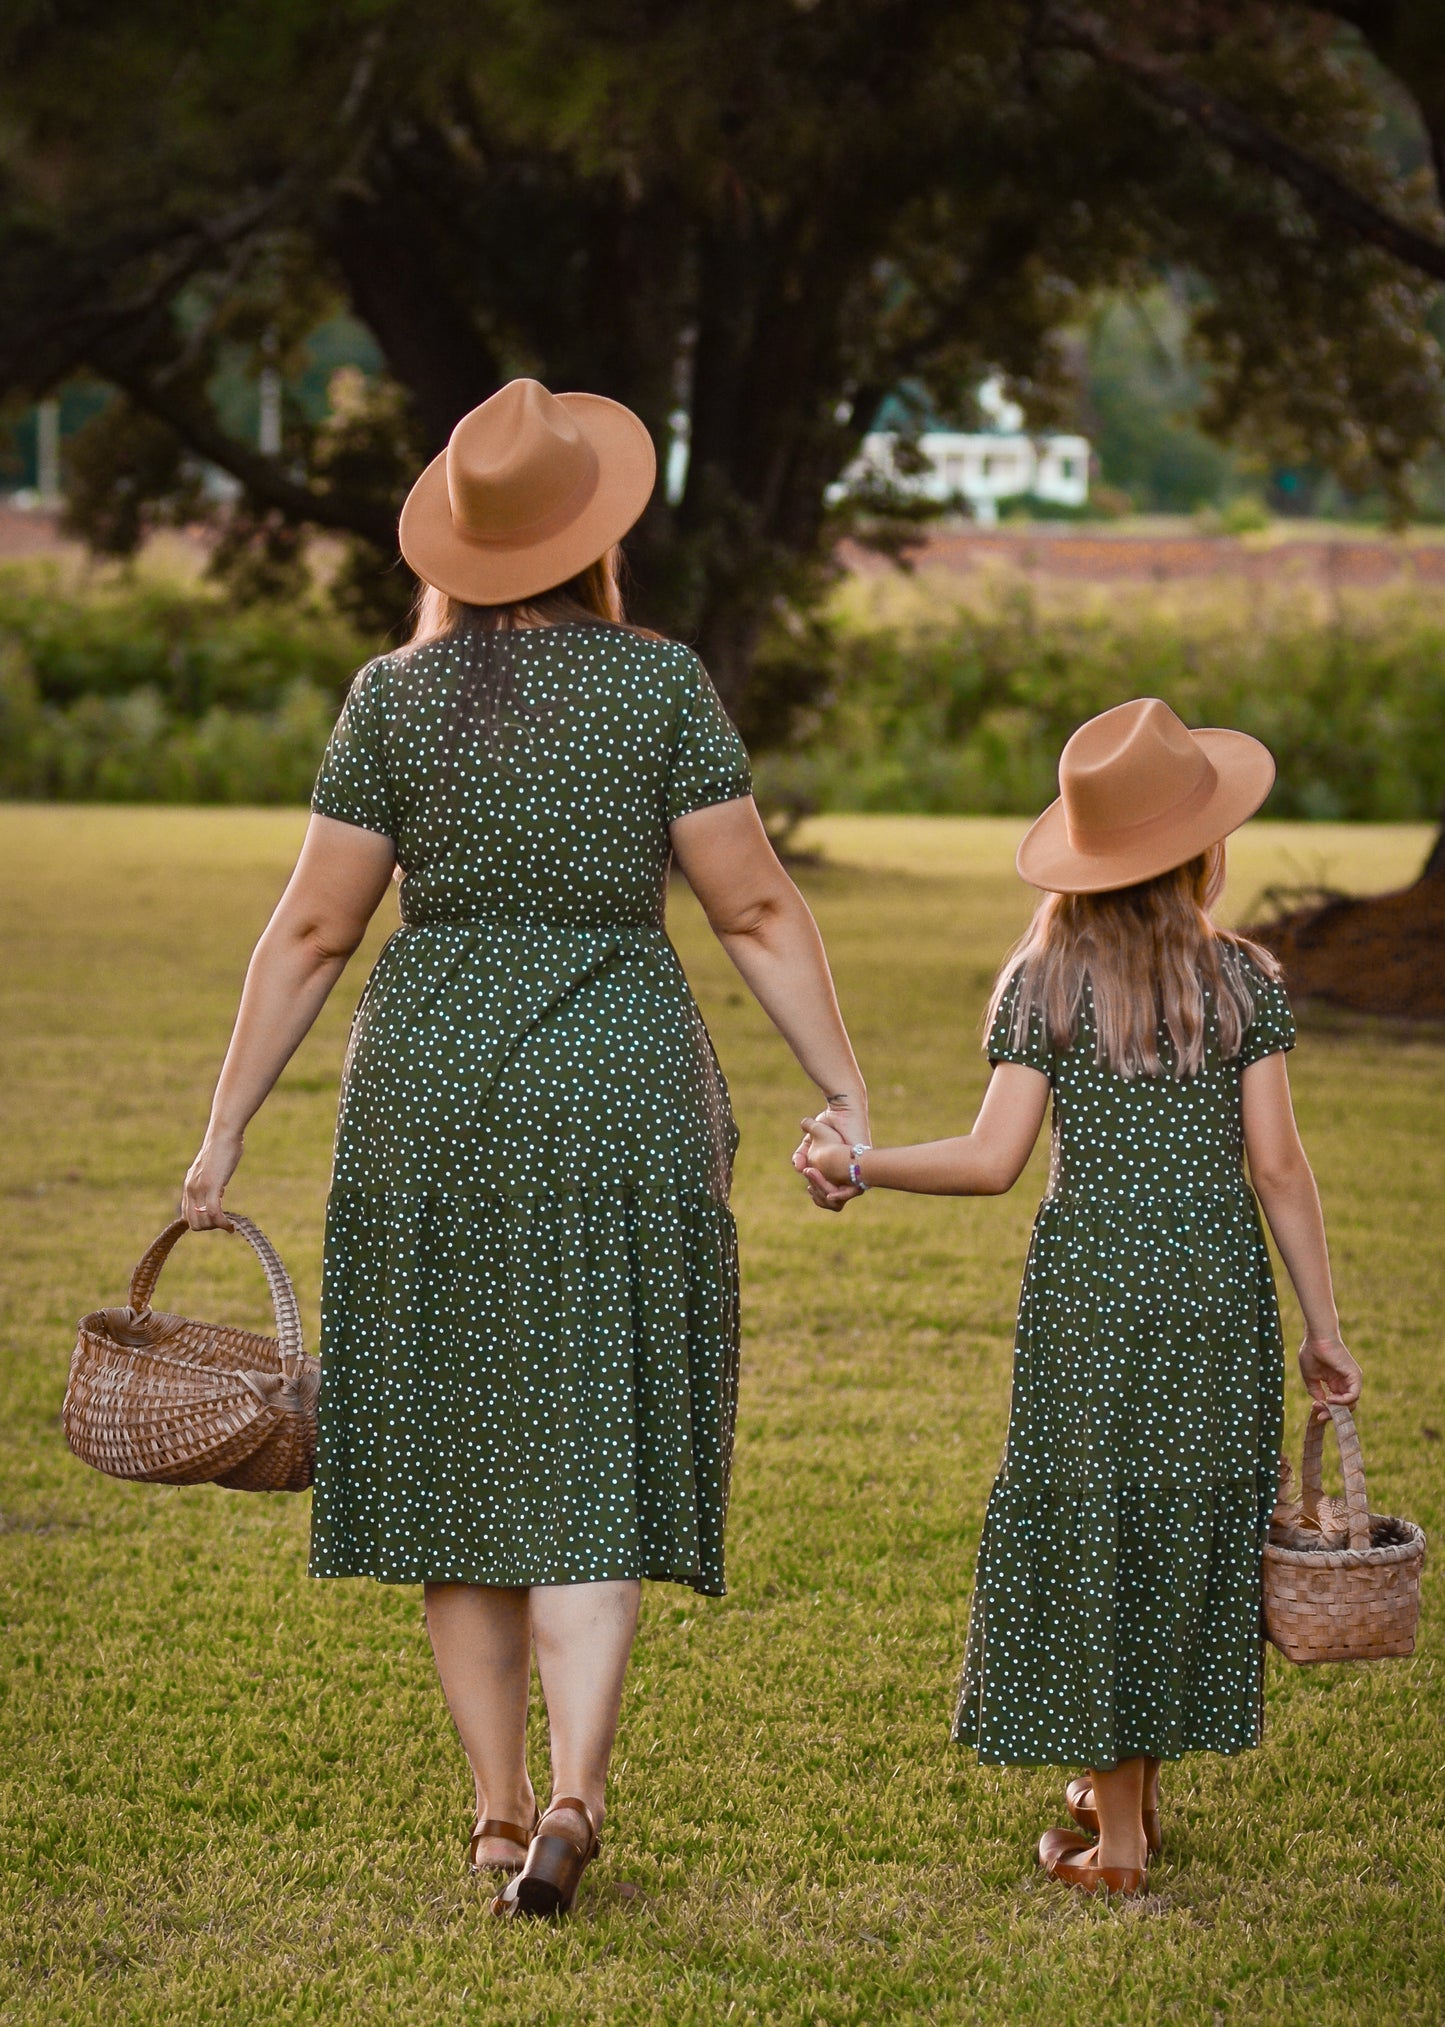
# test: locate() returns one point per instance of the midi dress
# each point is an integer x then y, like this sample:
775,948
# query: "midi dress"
1118,1594
530,1288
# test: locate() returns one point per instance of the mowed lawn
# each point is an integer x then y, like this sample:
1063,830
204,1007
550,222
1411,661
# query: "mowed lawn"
231,1794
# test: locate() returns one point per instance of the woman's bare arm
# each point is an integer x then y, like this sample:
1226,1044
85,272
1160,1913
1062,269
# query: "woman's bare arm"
339,880
1285,1185
986,1162
767,929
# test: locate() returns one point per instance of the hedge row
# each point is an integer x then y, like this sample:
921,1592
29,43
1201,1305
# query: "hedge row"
969,715
189,643
141,691
124,689
135,749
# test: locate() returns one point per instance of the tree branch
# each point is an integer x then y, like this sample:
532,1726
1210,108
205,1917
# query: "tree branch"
1411,49
89,310
267,481
1243,135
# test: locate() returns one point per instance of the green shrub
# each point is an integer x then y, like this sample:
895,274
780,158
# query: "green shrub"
968,713
130,689
195,647
127,689
133,749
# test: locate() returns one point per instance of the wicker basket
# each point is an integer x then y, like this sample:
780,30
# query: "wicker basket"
1341,1592
162,1398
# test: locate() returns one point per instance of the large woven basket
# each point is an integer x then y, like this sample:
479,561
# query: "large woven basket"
175,1402
1341,1583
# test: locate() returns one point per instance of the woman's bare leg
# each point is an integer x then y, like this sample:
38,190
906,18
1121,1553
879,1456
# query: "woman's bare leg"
1119,1799
482,1639
583,1635
1151,1785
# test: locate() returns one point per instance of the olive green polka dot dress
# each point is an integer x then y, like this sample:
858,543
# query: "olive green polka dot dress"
1116,1608
529,1302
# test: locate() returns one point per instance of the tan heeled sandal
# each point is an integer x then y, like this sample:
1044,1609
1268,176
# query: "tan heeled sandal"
510,1833
547,1884
1070,1857
1087,1816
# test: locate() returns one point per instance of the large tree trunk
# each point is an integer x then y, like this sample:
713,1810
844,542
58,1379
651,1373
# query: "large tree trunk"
728,642
430,343
1434,866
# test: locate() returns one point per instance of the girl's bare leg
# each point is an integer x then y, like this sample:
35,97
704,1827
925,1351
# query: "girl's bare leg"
1119,1799
583,1635
481,1637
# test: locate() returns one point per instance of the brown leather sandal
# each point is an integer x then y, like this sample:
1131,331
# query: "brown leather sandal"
1069,1856
1087,1816
510,1833
547,1884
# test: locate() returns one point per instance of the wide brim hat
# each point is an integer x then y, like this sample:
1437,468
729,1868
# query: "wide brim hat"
531,488
1140,793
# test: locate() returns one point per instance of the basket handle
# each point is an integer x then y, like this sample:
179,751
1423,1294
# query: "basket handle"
1352,1463
278,1281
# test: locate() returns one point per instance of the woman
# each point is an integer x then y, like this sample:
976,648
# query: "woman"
529,1300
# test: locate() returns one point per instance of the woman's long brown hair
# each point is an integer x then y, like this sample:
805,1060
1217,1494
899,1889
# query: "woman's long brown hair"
593,594
1151,956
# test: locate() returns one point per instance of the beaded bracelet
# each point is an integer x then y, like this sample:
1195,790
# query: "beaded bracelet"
855,1174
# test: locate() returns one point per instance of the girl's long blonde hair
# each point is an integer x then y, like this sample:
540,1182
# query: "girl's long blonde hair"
1151,957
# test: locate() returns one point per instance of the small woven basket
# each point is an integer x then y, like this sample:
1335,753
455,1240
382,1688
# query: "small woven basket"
1337,1592
171,1401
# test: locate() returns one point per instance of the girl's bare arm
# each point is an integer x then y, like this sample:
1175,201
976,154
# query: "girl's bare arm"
339,880
986,1162
1285,1185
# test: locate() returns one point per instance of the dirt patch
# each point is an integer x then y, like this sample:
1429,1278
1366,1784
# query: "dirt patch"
28,534
1096,557
1378,954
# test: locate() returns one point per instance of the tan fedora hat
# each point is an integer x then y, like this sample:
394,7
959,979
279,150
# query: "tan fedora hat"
531,489
1140,793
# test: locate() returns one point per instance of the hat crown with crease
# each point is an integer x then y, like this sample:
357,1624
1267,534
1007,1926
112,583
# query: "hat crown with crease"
516,465
1127,767
532,488
1140,793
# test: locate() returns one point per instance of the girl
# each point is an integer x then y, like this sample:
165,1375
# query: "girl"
1116,1616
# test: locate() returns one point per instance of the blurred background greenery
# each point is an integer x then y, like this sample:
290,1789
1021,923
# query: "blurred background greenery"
256,263
155,686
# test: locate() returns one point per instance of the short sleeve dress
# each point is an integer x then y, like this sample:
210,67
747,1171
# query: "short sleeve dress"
1116,1608
529,1298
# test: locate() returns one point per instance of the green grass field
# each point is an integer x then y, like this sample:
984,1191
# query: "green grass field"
232,1794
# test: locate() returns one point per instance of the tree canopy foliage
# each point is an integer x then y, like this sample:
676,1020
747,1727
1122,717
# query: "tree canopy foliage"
760,215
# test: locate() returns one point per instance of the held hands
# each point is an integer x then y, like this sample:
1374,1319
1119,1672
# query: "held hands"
1329,1374
206,1180
823,1156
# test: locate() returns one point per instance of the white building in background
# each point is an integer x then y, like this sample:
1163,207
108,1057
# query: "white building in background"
979,467
679,444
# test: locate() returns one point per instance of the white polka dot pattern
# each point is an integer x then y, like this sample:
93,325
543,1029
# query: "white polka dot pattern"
529,1304
1116,1609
